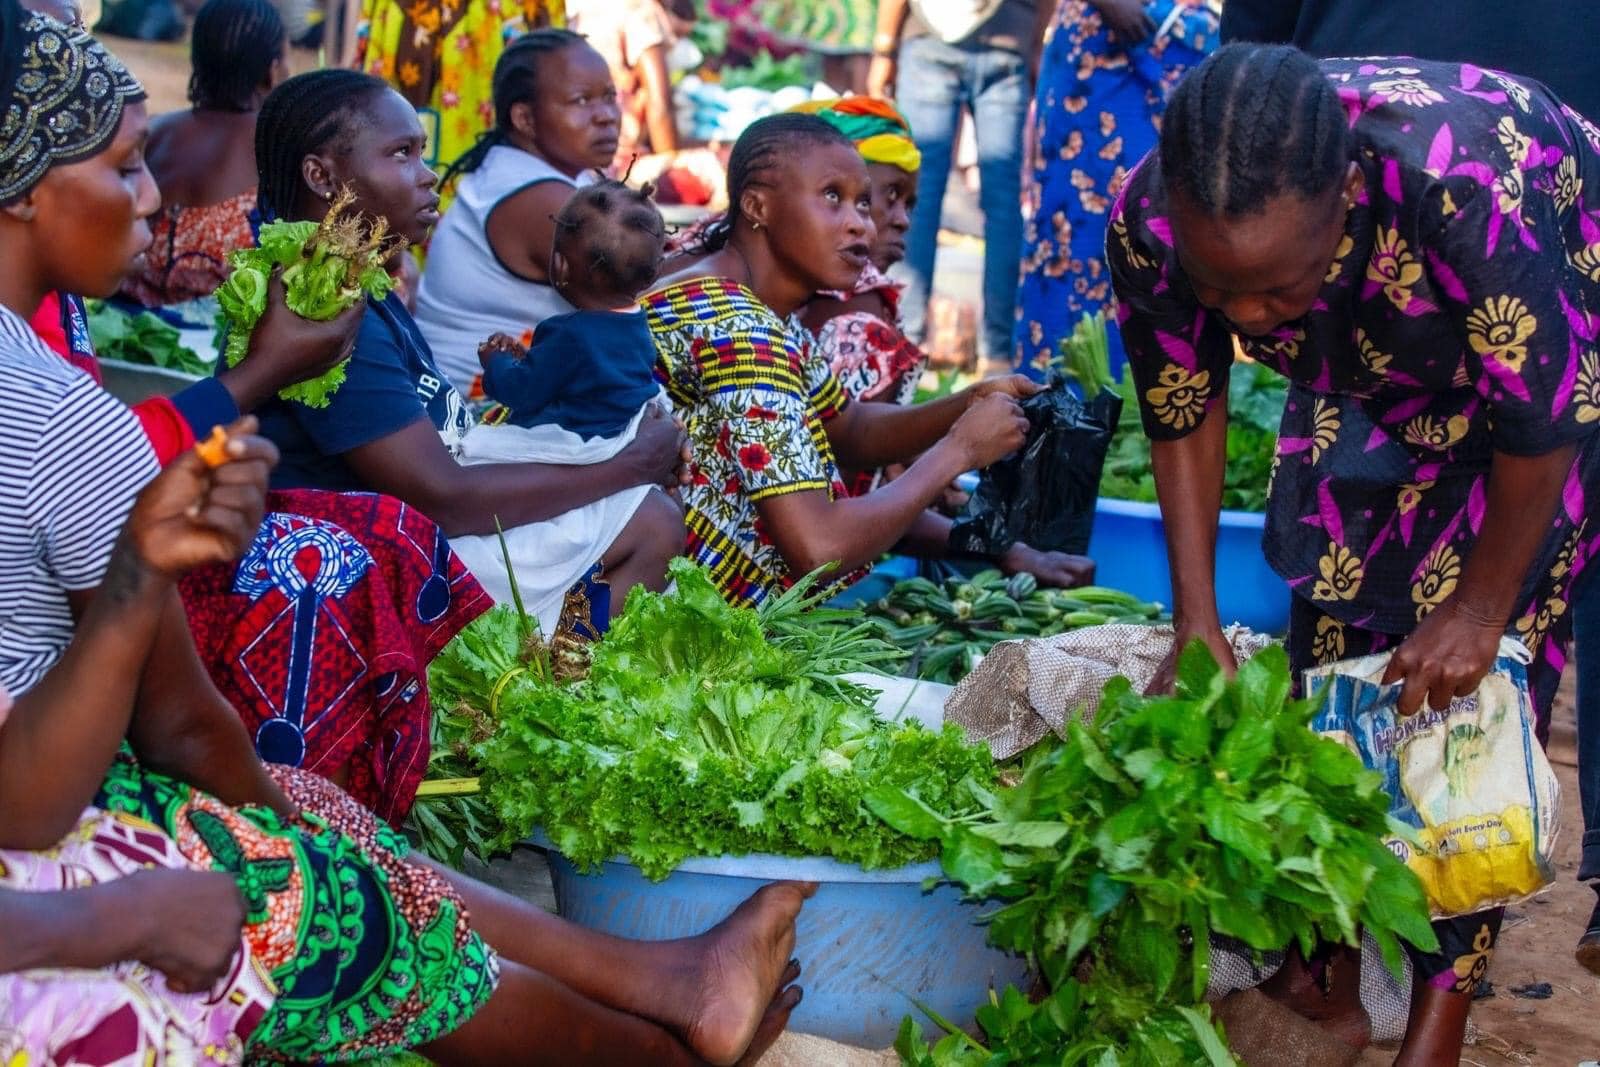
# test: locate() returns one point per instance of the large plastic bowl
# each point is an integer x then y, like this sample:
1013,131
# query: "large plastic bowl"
870,942
1129,547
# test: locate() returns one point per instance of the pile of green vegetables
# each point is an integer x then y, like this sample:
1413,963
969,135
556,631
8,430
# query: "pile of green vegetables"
697,729
142,338
947,628
1125,847
1256,397
327,266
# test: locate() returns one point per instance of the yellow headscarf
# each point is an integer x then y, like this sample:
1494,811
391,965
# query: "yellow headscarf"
881,134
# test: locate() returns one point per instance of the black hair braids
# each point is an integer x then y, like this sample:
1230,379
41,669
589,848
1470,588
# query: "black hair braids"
300,117
516,81
766,146
232,49
1251,123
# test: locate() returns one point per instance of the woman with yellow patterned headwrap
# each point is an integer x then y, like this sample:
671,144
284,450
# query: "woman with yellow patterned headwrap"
858,333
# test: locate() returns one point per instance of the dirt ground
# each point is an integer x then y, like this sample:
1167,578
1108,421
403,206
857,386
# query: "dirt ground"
1536,945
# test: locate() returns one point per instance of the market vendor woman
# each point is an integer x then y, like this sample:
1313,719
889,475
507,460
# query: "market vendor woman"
1416,246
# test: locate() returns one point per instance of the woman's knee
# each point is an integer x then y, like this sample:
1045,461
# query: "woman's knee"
661,526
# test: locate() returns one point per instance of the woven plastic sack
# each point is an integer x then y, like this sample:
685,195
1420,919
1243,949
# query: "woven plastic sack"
1470,783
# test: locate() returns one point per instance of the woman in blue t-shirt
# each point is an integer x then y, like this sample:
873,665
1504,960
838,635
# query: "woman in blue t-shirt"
395,424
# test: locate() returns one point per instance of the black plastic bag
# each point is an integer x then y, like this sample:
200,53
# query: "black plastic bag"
1045,494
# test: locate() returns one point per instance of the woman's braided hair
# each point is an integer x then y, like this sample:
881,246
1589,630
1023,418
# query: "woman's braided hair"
302,116
232,50
1249,124
766,146
516,81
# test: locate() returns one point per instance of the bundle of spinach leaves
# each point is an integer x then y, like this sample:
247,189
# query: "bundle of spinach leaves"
140,338
1256,397
1124,847
701,729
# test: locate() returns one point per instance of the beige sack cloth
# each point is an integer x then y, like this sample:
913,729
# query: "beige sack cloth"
1024,689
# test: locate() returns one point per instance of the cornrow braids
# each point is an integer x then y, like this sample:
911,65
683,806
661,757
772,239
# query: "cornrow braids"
615,235
232,50
302,116
764,147
1249,124
516,81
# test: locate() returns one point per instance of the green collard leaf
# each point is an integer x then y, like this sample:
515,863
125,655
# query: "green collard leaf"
1199,676
1024,834
1105,894
1205,1031
975,862
1087,748
1246,746
905,813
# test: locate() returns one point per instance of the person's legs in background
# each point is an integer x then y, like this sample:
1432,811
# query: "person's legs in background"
1000,97
930,94
1586,646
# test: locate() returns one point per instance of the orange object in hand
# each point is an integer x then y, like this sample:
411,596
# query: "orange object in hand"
214,449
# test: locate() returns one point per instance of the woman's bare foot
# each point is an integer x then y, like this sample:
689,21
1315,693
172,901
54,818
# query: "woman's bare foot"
776,1019
740,992
1337,1009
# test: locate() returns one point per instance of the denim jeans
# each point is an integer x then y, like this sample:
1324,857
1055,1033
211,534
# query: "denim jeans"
936,81
1586,644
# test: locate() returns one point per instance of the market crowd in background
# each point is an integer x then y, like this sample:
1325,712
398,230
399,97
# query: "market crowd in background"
635,182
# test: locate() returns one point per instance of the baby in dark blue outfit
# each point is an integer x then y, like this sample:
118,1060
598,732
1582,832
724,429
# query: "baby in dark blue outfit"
589,371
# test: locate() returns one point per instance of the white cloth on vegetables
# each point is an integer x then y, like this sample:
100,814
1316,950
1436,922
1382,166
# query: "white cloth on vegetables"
1025,689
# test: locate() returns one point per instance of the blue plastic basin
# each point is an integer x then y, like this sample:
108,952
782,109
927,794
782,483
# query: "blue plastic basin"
869,941
1129,547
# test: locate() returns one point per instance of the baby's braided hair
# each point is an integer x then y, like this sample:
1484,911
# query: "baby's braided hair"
232,50
1249,124
614,234
300,117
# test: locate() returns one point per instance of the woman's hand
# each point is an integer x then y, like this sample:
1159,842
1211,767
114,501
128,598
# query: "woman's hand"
285,349
1128,19
660,451
1167,674
1057,569
881,74
187,924
1445,657
193,513
993,426
1017,385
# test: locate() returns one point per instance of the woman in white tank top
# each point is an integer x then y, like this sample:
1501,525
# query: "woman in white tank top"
556,125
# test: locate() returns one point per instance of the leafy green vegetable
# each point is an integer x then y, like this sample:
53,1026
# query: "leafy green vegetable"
700,729
1256,396
1163,821
141,338
326,266
765,72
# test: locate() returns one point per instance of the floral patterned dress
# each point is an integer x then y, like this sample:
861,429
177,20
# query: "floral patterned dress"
1458,319
440,55
755,398
1097,111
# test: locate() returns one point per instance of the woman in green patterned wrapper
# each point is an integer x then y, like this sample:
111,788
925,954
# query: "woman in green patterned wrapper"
366,949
